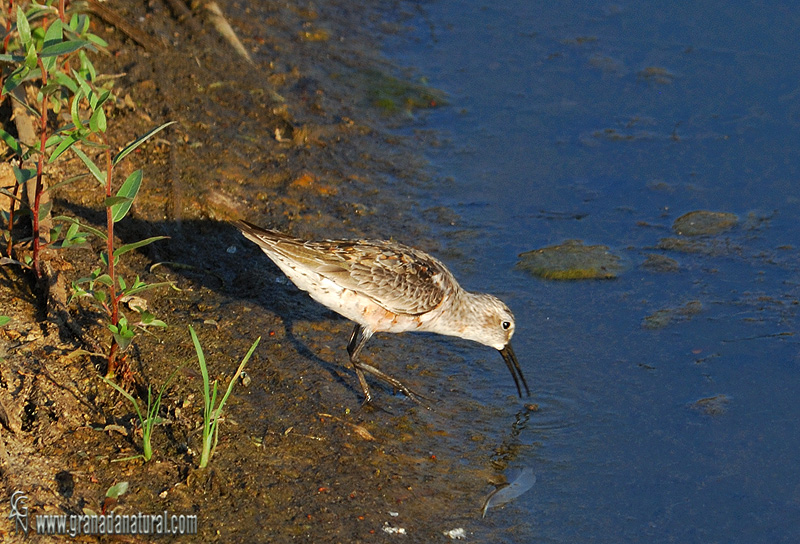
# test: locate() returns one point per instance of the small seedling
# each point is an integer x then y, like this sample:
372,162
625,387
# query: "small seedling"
211,412
112,495
152,419
116,490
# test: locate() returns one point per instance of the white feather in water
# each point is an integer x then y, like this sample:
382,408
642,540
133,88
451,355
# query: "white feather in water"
520,482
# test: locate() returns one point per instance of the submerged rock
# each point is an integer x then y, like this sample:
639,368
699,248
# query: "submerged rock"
661,318
660,263
571,261
702,222
712,406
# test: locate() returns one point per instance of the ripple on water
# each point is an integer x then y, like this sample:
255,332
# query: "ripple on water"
555,412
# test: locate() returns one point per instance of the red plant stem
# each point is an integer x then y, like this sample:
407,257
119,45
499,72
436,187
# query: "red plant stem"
39,168
8,25
12,207
2,97
110,253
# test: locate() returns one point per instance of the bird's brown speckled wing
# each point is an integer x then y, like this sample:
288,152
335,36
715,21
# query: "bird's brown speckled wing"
399,278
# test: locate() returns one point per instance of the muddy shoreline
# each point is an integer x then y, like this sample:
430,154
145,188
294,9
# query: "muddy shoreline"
299,140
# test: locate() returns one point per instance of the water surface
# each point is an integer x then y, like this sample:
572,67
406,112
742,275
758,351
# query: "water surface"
606,123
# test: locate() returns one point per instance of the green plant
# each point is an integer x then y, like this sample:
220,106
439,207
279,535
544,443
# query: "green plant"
212,412
40,56
112,288
50,55
153,407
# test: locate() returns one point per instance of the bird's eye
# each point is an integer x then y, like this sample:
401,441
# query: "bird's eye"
506,325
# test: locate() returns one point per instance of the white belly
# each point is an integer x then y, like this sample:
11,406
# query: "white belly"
347,303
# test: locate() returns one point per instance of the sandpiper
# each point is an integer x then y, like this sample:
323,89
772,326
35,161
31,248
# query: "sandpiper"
384,286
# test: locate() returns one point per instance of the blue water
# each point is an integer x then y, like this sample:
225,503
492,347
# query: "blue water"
606,123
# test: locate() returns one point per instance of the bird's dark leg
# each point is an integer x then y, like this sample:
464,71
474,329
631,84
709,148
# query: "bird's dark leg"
357,341
396,384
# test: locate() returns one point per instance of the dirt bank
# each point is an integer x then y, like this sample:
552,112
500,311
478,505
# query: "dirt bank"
300,139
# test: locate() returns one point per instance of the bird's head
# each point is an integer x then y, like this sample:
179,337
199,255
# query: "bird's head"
494,327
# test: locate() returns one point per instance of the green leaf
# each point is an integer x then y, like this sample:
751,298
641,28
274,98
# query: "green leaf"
31,58
82,82
53,140
138,288
129,191
87,68
52,38
11,142
23,174
99,176
65,81
74,21
105,279
201,359
69,238
97,40
97,100
54,34
66,143
130,398
130,247
100,234
97,122
4,320
55,232
61,48
122,334
119,489
44,210
51,88
15,79
57,102
66,181
111,200
148,319
75,107
139,141
23,27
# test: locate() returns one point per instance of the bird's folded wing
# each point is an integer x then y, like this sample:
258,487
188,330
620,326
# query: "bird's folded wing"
399,279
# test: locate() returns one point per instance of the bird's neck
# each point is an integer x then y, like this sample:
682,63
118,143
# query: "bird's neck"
459,317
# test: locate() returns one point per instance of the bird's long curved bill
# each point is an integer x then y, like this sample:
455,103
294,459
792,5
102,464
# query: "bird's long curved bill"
514,368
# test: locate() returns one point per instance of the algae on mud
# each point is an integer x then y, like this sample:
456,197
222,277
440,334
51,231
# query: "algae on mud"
661,318
393,95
